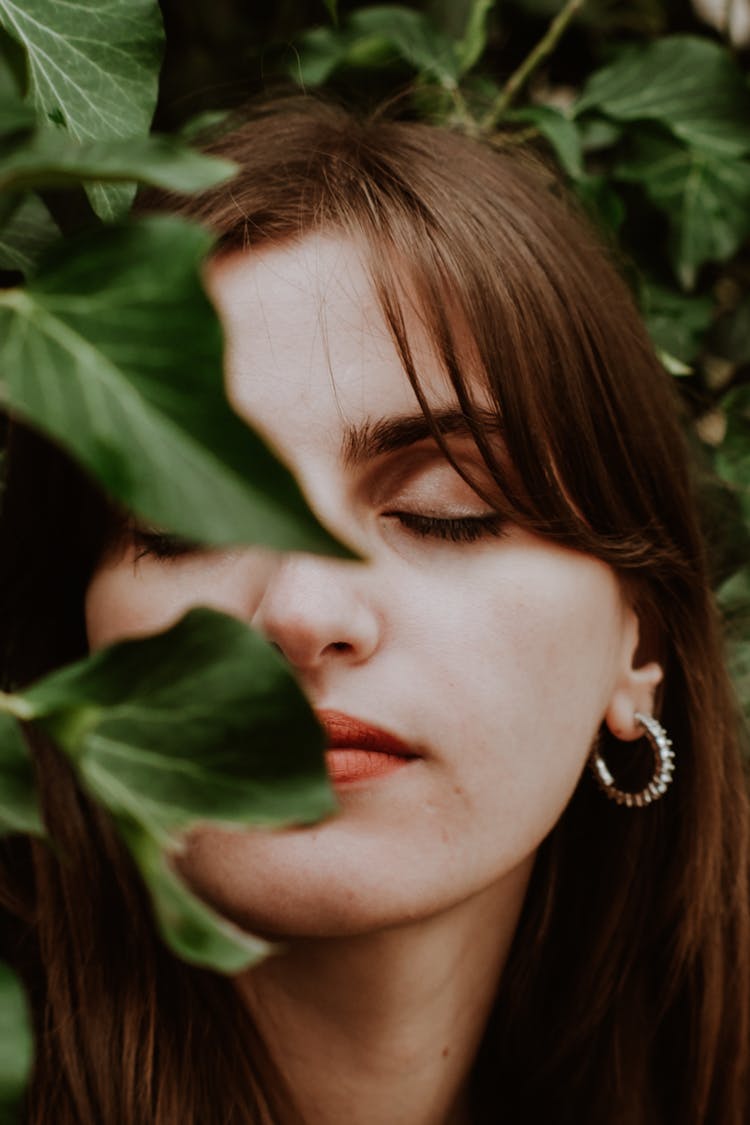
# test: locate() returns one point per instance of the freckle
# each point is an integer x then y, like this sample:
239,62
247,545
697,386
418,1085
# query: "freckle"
446,1052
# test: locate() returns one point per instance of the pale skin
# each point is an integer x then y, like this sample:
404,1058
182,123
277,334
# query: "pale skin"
492,652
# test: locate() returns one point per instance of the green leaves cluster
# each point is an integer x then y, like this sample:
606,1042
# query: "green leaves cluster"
109,345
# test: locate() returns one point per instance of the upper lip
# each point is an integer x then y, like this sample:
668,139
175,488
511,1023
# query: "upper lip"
344,730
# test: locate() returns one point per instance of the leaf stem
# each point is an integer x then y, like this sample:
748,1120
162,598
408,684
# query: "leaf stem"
16,705
535,57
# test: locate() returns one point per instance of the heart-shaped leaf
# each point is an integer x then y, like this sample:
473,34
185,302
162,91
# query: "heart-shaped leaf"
201,722
94,69
114,350
705,197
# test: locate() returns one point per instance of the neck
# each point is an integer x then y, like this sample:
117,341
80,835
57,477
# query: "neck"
383,1027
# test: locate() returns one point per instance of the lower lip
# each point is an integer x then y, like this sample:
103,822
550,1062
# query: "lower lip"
346,765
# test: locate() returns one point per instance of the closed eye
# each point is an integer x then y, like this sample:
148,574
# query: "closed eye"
456,529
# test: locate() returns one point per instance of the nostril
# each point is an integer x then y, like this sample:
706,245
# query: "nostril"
340,646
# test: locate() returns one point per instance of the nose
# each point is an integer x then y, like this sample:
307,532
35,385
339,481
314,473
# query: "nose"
314,610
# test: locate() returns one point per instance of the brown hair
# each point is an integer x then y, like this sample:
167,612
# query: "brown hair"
626,995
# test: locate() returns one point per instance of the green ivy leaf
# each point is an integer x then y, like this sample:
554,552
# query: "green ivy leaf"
191,929
57,160
114,350
414,38
16,1043
559,130
94,69
692,86
19,809
705,197
202,722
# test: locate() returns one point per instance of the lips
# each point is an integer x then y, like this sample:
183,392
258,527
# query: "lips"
357,751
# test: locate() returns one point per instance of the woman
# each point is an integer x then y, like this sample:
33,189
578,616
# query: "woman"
435,343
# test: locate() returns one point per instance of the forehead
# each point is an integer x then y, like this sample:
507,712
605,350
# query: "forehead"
308,350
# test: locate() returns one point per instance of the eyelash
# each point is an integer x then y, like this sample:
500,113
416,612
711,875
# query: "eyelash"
163,546
463,529
460,529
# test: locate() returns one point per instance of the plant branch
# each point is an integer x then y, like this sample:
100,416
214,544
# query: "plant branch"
535,57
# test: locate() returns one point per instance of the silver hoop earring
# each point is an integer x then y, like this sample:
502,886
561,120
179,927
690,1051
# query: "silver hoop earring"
663,767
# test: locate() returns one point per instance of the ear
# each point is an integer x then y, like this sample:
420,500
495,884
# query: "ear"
638,678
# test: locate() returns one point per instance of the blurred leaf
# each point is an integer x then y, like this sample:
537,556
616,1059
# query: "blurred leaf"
705,197
559,130
114,350
733,598
94,68
191,929
733,455
677,323
413,36
691,85
332,9
16,1043
471,46
202,722
320,51
27,236
599,197
19,809
57,160
596,133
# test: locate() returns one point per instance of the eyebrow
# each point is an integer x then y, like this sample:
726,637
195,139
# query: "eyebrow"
372,439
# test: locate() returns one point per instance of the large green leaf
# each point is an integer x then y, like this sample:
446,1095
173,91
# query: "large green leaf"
16,1043
691,85
705,197
202,722
55,159
115,351
193,931
19,809
94,69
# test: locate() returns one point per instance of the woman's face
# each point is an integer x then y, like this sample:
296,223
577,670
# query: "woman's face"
494,655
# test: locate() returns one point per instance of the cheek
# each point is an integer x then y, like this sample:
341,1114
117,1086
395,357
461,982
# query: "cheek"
127,600
517,671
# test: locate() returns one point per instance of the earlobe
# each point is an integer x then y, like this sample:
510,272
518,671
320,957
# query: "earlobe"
635,688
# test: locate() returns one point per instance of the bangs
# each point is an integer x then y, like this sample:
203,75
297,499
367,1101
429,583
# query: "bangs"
518,325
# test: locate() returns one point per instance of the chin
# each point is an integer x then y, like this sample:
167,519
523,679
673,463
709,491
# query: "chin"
279,886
